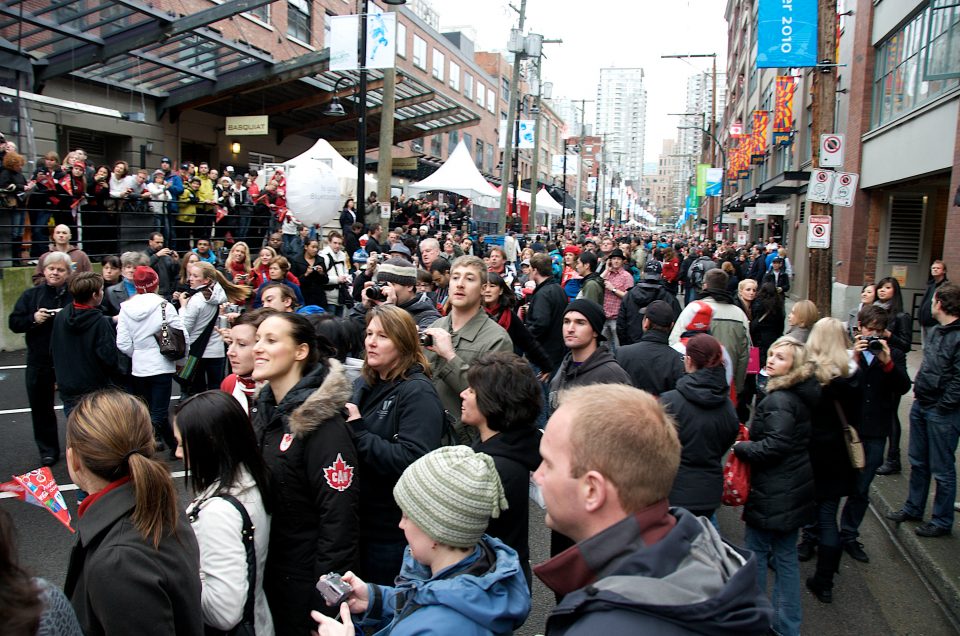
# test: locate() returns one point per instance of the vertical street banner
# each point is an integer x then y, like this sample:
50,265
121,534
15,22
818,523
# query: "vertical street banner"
758,152
786,33
702,179
783,110
344,34
742,160
381,39
714,182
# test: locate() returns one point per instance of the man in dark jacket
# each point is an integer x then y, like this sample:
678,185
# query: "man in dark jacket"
630,325
544,314
938,276
396,278
884,378
778,276
165,262
592,285
600,501
935,421
652,364
83,343
586,361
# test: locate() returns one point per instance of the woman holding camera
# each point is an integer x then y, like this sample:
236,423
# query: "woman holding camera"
397,417
239,267
899,335
499,301
310,453
226,474
313,277
33,316
455,579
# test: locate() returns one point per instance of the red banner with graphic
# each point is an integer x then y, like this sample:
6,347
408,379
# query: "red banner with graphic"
783,110
758,153
39,488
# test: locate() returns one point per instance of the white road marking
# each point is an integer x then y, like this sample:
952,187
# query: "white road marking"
66,487
13,367
58,407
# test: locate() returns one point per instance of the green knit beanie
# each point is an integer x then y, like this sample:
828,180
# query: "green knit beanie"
450,494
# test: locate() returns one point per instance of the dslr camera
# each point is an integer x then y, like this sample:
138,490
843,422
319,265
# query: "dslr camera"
333,589
874,343
376,292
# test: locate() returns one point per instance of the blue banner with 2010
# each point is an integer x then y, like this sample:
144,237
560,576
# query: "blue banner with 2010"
786,33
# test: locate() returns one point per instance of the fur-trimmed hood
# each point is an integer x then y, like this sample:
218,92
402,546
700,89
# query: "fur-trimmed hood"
318,396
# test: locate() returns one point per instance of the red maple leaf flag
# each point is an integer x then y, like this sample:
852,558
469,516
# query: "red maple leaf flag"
339,475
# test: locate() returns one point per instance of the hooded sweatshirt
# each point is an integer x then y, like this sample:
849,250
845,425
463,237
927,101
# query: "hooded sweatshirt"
671,576
599,368
84,350
485,594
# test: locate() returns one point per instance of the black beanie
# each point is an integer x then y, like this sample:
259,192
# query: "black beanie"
592,312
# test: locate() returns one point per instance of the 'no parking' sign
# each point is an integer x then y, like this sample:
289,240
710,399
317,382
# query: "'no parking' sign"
818,232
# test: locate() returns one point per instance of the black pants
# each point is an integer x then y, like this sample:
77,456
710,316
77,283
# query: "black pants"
40,392
893,449
208,376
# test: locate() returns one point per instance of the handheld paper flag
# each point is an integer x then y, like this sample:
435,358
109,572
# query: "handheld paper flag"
39,488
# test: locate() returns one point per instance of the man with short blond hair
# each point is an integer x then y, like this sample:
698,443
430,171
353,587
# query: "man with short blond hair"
610,454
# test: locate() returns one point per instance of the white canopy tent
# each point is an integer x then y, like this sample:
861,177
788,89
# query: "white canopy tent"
547,203
346,172
460,175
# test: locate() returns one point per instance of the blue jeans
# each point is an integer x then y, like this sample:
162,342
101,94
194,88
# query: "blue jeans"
858,501
781,547
933,445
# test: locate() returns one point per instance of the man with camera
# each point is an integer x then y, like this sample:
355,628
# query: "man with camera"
395,283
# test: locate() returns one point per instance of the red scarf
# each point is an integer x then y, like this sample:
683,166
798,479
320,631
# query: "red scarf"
503,318
87,502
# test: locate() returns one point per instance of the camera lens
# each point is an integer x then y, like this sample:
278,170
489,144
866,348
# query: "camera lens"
426,340
875,345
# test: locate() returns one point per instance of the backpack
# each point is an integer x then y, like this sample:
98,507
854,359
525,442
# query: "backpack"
697,271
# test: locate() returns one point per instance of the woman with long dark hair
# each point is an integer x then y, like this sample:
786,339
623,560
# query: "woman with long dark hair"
766,318
134,568
899,335
312,274
309,449
397,417
225,470
499,301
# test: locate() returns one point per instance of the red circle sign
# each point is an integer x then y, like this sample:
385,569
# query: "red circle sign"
831,144
845,179
819,230
822,177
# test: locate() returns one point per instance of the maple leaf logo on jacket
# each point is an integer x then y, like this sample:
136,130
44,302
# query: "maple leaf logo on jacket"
339,475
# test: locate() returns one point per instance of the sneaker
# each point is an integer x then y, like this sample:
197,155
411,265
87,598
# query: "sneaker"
930,529
956,506
890,467
806,550
901,515
855,550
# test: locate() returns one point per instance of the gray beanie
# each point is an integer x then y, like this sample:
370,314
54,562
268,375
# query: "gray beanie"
397,270
450,494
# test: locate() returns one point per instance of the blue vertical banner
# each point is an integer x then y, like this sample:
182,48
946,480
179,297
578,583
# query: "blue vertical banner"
786,33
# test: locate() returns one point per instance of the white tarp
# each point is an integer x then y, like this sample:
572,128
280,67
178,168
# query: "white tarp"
460,175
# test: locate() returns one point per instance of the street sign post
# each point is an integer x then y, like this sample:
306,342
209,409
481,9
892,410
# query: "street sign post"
818,232
821,185
831,151
844,189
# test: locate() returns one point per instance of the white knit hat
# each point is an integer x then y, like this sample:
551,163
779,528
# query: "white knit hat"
450,494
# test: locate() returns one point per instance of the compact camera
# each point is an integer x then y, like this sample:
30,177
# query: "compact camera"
874,343
333,589
376,293
426,340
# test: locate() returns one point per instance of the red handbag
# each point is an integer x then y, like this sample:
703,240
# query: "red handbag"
736,475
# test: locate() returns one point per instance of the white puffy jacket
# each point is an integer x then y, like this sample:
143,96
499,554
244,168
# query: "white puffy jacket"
139,319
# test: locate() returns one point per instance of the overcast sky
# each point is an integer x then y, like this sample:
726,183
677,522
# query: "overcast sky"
602,33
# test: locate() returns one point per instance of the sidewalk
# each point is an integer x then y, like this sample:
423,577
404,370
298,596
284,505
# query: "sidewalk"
935,558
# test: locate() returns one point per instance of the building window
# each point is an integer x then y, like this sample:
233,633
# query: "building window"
899,87
454,139
438,63
481,94
454,76
401,39
261,13
467,141
491,101
489,157
327,27
468,86
419,52
478,154
436,145
298,20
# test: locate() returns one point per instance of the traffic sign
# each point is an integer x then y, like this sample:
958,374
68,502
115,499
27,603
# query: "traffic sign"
741,238
844,189
820,186
831,151
818,232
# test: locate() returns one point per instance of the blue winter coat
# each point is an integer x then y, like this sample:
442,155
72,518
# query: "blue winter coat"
485,594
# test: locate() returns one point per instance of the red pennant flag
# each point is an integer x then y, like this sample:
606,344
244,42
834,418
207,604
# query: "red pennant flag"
39,488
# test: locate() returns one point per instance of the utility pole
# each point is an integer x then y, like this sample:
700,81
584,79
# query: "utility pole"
580,136
507,173
824,113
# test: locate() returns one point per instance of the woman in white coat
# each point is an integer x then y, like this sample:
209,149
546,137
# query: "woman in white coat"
208,290
139,319
219,449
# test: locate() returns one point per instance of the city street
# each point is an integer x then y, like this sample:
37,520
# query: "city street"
883,597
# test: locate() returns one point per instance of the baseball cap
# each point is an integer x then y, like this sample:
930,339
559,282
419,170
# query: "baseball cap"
165,160
400,248
660,313
653,270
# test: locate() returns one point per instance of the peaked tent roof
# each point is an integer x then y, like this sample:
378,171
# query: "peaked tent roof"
345,171
459,174
547,202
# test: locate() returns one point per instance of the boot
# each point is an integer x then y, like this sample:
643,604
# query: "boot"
806,549
828,563
890,467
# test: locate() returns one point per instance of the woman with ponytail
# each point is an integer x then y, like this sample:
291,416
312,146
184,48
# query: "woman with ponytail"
135,566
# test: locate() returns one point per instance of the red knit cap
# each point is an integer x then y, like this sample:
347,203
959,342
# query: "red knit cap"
145,280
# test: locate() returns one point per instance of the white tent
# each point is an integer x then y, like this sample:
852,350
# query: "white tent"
460,175
345,171
547,203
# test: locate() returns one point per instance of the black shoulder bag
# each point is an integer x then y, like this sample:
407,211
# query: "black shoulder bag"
246,626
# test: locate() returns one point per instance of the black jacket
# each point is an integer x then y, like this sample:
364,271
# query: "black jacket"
781,281
113,297
544,318
781,479
309,450
400,422
707,425
882,388
833,475
766,324
634,306
313,287
900,326
652,364
84,348
516,453
599,368
938,381
926,309
119,583
168,271
421,308
525,345
38,335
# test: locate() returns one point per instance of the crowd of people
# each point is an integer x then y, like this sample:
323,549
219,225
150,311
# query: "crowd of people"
365,414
